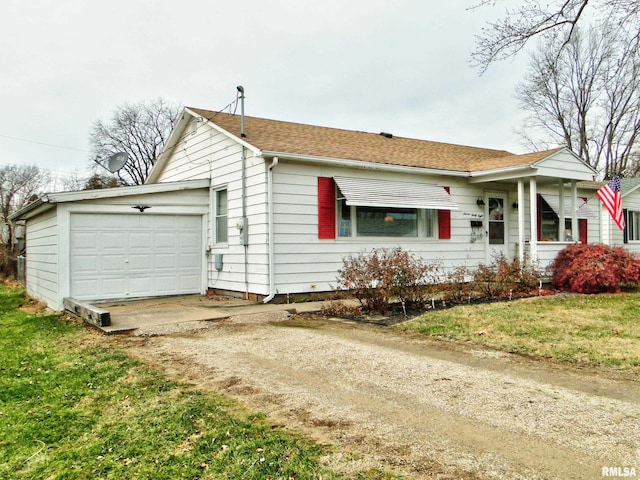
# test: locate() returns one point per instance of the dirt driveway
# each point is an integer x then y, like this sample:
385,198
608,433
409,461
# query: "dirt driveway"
420,408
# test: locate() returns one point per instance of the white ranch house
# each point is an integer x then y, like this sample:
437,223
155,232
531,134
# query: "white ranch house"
274,211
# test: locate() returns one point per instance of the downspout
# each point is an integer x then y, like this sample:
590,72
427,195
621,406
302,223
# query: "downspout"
272,275
244,224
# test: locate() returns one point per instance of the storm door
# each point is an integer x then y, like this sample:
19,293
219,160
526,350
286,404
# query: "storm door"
496,221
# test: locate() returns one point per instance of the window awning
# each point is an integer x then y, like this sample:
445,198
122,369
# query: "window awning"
583,209
365,192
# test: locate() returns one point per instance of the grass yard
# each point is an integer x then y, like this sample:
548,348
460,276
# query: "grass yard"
597,330
73,406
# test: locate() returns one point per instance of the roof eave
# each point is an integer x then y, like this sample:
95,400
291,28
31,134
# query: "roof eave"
38,206
63,197
169,147
361,164
503,173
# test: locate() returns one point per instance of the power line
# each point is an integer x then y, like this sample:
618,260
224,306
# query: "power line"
43,143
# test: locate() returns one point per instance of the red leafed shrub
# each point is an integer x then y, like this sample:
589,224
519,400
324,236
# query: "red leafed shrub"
595,269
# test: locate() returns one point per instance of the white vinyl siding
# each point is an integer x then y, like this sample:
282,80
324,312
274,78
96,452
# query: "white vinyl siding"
42,262
303,263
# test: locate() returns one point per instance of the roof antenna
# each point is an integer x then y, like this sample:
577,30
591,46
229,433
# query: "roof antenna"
241,90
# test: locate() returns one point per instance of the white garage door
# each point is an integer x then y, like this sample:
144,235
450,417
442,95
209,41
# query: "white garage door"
139,255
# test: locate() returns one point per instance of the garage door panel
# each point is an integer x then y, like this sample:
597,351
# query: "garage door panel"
84,240
112,286
140,239
111,239
188,240
187,260
143,261
141,286
166,240
111,222
128,256
167,284
189,283
84,263
84,288
166,261
111,263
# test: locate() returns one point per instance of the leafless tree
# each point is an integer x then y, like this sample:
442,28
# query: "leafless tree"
19,184
139,130
507,36
586,95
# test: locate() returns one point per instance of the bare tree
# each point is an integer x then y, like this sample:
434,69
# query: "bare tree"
586,95
140,130
557,18
19,184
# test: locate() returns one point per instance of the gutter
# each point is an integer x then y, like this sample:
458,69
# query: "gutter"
38,205
272,275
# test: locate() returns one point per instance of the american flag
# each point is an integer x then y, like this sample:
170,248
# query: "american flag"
610,197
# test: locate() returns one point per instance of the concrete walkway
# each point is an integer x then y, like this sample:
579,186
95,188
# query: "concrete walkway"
128,316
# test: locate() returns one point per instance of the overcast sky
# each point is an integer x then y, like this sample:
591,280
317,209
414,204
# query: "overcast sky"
371,65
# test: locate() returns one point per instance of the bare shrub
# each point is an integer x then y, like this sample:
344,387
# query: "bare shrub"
337,308
377,278
503,277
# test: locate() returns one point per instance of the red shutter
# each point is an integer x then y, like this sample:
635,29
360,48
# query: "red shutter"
326,208
444,221
582,229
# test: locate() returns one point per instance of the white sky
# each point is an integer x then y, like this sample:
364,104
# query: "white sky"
371,65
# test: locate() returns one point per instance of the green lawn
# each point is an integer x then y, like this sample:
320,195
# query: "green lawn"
597,330
73,406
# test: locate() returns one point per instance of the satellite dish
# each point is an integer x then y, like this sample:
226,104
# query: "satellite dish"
117,161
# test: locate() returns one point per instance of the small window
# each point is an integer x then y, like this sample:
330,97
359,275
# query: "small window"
633,226
549,222
221,216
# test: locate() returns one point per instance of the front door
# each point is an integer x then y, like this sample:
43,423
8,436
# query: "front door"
495,213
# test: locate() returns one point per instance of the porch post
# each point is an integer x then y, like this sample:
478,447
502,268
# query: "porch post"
521,221
533,220
561,223
575,230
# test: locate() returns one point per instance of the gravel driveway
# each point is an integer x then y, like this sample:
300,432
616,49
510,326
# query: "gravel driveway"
403,403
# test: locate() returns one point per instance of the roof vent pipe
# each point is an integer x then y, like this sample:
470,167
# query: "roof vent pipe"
241,91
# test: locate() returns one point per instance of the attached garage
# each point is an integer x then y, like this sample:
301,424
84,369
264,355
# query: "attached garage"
120,243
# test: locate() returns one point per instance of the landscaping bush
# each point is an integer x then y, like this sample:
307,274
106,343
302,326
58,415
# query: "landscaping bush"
457,287
503,277
338,308
376,279
595,269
